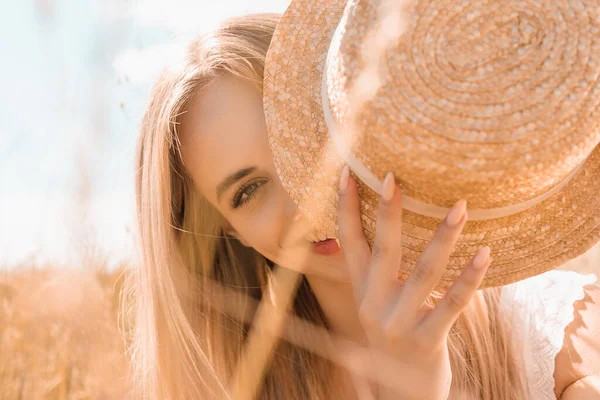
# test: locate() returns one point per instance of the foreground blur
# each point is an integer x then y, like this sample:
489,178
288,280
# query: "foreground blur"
59,336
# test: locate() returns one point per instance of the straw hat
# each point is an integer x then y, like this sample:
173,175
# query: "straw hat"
493,101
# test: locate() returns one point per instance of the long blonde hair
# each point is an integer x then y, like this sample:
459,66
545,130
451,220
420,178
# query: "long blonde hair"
183,343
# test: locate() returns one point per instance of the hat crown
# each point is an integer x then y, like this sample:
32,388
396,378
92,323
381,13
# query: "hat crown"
493,101
302,104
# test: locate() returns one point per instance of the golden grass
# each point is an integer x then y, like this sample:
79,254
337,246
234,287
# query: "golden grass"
58,335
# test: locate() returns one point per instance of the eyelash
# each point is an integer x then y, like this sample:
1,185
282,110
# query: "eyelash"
238,199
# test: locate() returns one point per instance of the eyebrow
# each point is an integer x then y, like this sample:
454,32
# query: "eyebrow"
231,179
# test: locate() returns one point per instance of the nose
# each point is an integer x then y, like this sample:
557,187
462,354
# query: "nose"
296,224
290,209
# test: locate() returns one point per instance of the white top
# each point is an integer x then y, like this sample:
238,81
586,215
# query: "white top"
538,310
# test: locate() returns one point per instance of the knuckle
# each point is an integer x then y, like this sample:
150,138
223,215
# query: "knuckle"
391,330
367,316
444,235
443,229
424,271
387,210
380,250
469,279
457,301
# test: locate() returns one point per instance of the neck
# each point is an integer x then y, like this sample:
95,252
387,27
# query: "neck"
336,299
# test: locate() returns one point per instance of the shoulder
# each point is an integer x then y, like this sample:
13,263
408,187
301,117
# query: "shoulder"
580,355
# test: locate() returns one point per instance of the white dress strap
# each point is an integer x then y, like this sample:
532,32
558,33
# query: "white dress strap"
538,310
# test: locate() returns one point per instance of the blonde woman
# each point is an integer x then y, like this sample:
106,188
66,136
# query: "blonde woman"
211,209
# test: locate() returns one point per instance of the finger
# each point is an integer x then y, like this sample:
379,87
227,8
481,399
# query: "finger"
387,248
385,259
433,261
352,241
440,320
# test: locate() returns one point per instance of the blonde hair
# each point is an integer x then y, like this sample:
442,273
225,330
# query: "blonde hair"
184,343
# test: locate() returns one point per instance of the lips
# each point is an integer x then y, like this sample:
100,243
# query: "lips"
326,247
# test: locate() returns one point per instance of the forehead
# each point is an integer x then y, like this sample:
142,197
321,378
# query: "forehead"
223,131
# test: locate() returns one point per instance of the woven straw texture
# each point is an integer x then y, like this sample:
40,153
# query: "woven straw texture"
491,101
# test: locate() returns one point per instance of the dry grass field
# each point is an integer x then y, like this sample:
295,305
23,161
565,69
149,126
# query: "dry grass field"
58,334
59,337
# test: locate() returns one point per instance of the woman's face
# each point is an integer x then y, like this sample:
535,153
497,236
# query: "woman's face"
225,149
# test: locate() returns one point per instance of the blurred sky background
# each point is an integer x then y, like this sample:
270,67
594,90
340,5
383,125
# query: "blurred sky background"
74,79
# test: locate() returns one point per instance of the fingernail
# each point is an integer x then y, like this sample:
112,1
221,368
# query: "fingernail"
344,179
456,213
387,190
481,257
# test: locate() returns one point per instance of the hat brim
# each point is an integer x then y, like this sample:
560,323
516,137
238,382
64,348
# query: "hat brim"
525,244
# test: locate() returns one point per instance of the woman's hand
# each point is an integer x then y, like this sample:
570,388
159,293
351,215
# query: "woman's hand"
407,339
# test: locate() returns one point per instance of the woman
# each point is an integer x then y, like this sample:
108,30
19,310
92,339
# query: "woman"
211,209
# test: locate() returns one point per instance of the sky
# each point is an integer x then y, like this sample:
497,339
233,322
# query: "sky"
75,76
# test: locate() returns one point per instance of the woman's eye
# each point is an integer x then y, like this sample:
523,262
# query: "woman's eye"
246,193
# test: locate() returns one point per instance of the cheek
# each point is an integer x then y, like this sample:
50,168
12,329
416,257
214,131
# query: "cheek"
262,227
